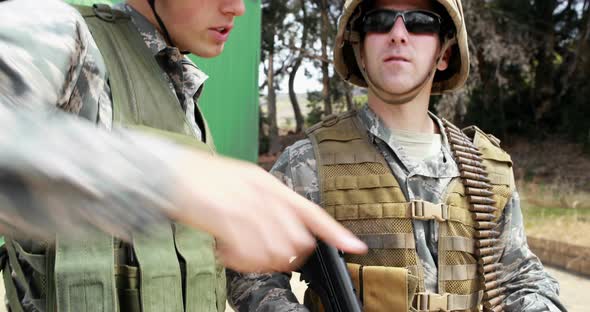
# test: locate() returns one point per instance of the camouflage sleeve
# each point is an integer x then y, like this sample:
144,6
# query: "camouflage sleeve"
272,292
59,173
529,287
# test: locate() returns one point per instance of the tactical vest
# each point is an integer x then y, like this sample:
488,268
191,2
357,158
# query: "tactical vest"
359,190
168,268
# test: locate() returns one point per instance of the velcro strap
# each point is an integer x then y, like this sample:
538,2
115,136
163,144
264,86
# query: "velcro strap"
459,272
341,134
331,158
457,243
354,206
362,182
389,241
446,302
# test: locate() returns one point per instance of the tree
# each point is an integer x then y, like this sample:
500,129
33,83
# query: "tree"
273,16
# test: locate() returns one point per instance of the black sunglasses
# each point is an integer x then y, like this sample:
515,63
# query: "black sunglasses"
416,21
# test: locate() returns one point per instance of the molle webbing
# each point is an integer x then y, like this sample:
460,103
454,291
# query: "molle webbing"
358,189
479,190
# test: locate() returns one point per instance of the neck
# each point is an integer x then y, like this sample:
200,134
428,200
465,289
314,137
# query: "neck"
143,8
411,116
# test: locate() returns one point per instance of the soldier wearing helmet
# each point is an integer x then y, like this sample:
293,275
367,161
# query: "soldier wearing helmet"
436,206
101,220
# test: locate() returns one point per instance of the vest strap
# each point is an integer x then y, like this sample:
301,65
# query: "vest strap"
15,265
389,241
160,277
418,209
10,288
446,302
459,272
85,273
196,248
457,243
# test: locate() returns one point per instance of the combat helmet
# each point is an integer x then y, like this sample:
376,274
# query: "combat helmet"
348,42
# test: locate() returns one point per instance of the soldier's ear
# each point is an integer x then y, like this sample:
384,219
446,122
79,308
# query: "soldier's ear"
443,64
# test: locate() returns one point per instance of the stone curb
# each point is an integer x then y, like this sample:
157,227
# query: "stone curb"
573,258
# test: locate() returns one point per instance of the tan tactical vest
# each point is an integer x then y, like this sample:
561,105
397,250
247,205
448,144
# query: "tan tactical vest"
167,268
359,190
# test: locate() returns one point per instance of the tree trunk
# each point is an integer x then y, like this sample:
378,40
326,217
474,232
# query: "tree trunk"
325,64
292,95
579,56
348,95
544,73
272,105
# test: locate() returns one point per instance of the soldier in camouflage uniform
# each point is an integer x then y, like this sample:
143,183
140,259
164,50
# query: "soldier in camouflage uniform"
413,144
60,174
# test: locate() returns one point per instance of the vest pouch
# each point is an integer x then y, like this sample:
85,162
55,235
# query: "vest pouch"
84,273
379,288
201,283
127,282
383,289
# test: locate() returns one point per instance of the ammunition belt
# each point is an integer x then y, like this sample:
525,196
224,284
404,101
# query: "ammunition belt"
478,190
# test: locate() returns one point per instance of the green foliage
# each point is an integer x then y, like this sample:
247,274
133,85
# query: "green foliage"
316,108
532,68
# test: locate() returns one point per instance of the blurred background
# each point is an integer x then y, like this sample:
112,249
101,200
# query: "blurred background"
529,86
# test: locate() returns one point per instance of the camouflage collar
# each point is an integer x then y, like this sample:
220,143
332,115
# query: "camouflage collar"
436,166
156,43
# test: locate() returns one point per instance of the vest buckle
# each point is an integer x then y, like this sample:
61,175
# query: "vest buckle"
104,12
423,210
431,302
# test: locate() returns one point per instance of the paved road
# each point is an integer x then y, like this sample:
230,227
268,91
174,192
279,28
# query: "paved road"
573,289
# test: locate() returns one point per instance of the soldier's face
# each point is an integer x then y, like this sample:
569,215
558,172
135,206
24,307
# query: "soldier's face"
398,61
200,26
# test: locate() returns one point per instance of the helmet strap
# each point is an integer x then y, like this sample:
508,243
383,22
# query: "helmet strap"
167,36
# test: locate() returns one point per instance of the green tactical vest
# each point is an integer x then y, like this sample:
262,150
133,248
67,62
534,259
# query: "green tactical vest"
359,190
171,269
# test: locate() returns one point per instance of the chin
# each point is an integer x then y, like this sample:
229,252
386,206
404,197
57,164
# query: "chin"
396,87
208,52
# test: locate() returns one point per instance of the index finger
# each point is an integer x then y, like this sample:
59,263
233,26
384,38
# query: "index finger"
323,226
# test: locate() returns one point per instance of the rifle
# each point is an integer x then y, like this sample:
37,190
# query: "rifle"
326,274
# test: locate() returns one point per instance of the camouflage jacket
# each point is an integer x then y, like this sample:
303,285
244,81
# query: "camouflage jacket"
56,169
530,288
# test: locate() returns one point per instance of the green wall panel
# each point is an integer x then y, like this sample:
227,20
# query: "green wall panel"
230,98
